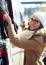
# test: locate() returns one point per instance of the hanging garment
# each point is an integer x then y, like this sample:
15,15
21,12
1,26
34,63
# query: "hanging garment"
3,54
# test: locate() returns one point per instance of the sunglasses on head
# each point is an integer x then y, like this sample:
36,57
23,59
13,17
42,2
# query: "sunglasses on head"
34,20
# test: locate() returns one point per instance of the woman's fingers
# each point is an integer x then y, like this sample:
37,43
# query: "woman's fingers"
7,18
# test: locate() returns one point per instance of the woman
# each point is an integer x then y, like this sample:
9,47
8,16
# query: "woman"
33,46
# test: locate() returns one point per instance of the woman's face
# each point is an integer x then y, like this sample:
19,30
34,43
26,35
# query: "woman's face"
34,23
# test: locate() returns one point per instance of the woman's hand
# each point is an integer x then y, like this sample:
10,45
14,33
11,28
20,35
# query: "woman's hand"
7,18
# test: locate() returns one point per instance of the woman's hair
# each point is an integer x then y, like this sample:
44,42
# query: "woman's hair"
41,26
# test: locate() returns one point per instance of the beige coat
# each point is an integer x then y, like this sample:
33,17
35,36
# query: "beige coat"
32,55
33,48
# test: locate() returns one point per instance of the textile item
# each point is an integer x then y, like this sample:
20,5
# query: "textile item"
26,34
41,16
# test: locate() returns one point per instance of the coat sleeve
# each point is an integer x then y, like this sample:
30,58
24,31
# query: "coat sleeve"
27,44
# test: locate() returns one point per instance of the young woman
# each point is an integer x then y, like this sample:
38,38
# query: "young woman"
33,46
